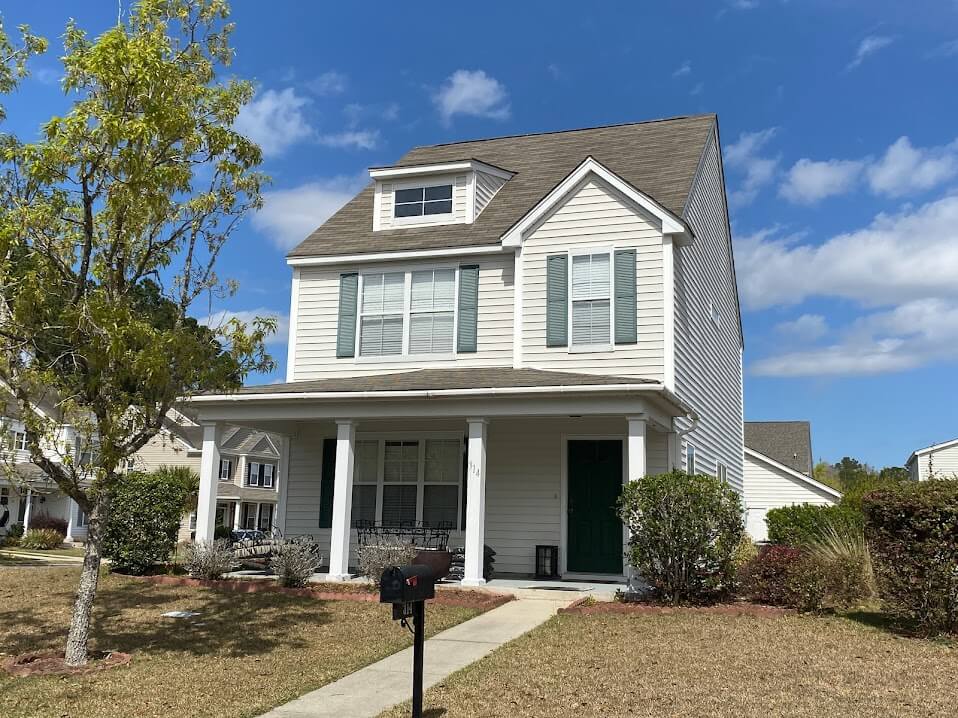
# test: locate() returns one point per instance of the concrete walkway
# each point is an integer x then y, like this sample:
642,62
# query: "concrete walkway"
377,687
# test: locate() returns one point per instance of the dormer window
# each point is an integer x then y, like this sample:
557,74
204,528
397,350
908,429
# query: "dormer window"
423,201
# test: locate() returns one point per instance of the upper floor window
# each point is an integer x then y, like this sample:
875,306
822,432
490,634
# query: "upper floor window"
260,474
423,201
381,314
19,440
226,469
591,299
432,311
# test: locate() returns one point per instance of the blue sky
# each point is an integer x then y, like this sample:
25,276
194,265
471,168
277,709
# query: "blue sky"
837,121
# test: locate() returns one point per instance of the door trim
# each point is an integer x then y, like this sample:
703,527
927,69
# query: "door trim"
564,440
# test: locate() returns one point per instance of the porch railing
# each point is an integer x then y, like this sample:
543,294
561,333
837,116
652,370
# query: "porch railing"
433,536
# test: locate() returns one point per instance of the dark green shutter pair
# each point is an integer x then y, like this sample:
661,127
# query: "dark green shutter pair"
466,340
557,298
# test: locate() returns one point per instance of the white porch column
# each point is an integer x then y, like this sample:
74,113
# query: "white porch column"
27,511
636,449
209,475
236,515
279,517
342,500
72,517
475,503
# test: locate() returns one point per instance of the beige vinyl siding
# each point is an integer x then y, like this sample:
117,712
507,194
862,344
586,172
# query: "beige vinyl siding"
767,487
318,310
523,480
708,359
938,463
595,216
165,450
486,187
460,190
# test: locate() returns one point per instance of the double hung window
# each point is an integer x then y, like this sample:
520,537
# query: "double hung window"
591,300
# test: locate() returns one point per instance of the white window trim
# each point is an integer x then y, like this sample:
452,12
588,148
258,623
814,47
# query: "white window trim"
444,218
229,471
407,273
249,475
592,348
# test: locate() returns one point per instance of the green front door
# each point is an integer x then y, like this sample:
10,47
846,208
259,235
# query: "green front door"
594,531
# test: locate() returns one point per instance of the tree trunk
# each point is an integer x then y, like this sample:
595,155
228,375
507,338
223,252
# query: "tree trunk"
76,652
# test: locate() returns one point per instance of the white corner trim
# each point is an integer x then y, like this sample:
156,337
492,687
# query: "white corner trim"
470,197
517,311
428,169
792,473
670,223
293,323
668,291
390,256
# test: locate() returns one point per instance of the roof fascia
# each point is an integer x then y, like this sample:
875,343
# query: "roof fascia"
928,449
382,173
390,256
795,474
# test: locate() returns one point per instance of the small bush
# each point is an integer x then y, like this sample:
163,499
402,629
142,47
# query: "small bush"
744,552
912,530
145,515
222,532
295,560
42,539
376,558
684,531
801,524
15,531
46,521
770,576
845,563
208,560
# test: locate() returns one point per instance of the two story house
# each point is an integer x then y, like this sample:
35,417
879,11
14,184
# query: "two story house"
494,335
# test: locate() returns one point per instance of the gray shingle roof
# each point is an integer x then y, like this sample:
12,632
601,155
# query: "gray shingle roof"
658,157
787,442
440,379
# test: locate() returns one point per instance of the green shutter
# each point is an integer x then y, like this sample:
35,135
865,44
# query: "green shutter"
346,331
625,310
327,480
468,307
557,300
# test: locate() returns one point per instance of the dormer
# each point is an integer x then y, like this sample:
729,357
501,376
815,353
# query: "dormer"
434,194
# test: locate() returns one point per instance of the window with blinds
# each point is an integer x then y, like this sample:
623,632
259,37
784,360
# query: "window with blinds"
432,311
591,299
400,482
365,482
442,473
381,316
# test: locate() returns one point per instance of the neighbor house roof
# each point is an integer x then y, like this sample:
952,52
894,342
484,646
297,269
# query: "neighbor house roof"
787,442
660,158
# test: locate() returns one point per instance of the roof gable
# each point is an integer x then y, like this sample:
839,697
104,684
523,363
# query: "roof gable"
790,473
787,442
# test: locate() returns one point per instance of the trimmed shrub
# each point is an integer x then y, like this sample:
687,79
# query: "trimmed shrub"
46,521
222,532
144,519
684,531
376,558
208,560
912,530
41,539
295,560
15,531
770,577
801,524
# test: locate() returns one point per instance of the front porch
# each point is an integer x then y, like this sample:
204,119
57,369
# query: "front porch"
510,472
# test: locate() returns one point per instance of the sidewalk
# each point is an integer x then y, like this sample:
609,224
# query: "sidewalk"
371,690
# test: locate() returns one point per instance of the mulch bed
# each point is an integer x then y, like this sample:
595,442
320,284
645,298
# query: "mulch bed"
333,591
51,663
587,607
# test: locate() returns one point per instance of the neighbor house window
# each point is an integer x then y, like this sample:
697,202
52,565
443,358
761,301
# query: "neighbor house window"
432,311
591,299
260,474
381,314
249,516
423,201
226,469
19,440
690,459
265,522
83,520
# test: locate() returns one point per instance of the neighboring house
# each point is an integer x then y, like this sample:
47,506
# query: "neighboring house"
779,472
247,486
938,461
494,335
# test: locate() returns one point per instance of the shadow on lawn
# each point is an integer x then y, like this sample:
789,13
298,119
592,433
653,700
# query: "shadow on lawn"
895,626
127,618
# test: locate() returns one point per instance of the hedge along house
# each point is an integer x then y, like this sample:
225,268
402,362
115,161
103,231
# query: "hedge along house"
495,335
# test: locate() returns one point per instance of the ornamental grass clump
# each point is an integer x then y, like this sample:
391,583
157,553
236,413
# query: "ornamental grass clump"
41,539
209,559
295,560
684,532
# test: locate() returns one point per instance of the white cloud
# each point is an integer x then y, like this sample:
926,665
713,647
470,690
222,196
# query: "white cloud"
329,83
809,181
697,89
806,328
897,258
472,92
359,139
246,316
945,49
868,47
904,168
275,120
46,75
684,69
758,170
289,215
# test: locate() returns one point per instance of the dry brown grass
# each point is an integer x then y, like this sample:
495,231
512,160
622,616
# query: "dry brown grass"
245,653
697,664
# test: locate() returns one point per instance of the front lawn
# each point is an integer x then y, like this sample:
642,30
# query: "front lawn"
243,653
691,663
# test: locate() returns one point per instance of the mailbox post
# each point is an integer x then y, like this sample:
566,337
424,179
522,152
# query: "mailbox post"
407,588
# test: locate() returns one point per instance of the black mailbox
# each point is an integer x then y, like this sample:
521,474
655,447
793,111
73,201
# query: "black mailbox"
406,584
